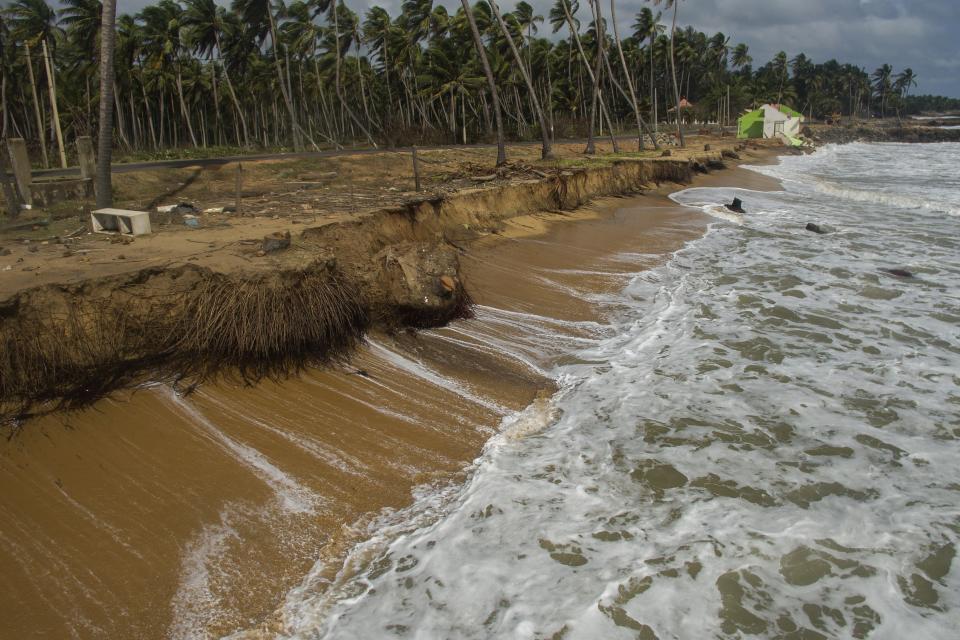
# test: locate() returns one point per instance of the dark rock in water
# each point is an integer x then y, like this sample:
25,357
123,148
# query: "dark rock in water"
276,241
900,273
815,228
736,207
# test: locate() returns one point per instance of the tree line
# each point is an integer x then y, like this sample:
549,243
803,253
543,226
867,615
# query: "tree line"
315,74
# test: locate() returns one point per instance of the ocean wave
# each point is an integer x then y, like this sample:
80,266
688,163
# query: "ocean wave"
882,198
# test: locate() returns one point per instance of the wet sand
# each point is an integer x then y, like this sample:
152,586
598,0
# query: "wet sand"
153,515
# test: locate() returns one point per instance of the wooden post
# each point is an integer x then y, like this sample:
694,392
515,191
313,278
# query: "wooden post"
20,160
416,169
9,193
237,204
86,158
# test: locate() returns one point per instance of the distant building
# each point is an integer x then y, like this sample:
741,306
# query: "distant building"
770,121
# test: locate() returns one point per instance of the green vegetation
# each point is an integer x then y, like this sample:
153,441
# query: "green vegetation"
196,77
928,104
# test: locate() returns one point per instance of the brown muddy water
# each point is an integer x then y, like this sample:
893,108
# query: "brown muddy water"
154,515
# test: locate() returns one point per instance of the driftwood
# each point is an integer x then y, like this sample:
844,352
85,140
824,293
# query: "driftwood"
489,178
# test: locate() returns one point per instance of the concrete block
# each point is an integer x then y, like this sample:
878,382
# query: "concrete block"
86,158
134,223
20,162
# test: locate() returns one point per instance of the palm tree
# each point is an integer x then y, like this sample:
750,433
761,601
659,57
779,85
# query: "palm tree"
104,187
81,18
258,14
563,13
33,22
546,151
342,44
526,21
595,93
204,22
647,27
741,56
675,4
491,82
902,84
377,30
904,81
641,125
163,39
781,67
882,79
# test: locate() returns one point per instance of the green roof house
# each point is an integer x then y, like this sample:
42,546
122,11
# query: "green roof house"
770,121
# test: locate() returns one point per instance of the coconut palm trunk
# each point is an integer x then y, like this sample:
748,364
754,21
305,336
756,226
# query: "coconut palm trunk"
36,107
233,94
546,150
641,125
673,68
595,94
583,56
491,82
52,86
104,185
183,105
287,98
338,86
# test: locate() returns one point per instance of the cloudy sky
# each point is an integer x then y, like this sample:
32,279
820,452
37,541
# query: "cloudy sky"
921,34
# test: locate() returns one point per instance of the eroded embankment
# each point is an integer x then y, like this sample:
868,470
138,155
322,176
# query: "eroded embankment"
65,346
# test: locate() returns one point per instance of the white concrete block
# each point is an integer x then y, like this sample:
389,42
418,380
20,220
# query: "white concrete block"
131,223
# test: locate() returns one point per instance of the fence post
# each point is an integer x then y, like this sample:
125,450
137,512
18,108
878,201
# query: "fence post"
238,211
416,169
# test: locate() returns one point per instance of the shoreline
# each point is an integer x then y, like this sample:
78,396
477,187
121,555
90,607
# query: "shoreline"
80,336
608,226
416,410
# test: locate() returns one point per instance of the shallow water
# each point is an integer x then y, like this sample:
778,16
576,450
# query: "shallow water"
156,514
763,441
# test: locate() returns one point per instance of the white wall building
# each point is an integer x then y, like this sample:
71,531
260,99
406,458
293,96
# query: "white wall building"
777,121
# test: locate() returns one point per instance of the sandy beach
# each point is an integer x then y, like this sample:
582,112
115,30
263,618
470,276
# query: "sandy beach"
166,516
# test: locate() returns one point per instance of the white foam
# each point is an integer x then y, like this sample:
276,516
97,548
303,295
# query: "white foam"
196,604
336,459
765,392
424,372
291,495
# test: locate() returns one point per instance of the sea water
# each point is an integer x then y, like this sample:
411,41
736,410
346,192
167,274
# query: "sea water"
765,443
